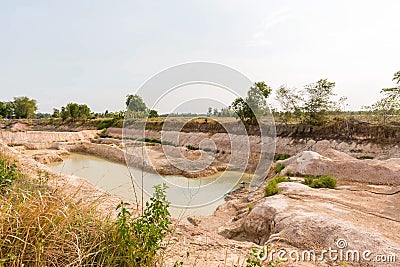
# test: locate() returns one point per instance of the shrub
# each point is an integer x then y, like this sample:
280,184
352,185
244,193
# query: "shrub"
272,186
281,157
8,172
279,168
137,239
323,181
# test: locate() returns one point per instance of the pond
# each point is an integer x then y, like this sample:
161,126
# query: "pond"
115,178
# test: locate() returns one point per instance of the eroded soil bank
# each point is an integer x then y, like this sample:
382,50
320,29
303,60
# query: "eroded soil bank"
363,210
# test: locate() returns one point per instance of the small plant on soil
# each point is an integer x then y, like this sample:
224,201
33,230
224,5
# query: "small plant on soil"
272,186
323,181
279,168
8,172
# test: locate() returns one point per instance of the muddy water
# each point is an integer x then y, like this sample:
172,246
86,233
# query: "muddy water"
115,178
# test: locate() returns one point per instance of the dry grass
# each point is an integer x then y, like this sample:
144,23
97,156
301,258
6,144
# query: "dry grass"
44,226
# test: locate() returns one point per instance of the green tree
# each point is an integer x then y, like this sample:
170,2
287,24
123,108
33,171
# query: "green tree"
24,107
318,101
290,103
56,113
73,109
83,111
390,103
254,104
153,113
135,103
64,113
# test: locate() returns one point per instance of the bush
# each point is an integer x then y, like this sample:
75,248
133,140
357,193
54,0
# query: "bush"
8,172
137,239
281,157
279,168
272,186
323,181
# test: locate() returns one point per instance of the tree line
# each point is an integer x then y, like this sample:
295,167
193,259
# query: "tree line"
310,105
20,108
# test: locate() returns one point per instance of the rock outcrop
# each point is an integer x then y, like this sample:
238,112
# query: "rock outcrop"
344,167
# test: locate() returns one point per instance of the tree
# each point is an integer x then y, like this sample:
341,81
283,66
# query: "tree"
24,107
83,111
390,103
135,103
75,111
318,101
153,113
209,112
254,104
56,113
289,101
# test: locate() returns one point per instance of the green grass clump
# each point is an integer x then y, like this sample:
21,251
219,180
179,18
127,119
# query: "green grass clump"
281,157
272,186
279,168
323,181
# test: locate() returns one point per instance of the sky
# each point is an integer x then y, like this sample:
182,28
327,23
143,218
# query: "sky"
96,52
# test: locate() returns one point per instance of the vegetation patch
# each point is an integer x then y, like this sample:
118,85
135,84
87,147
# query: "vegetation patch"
323,181
279,168
281,157
41,226
8,172
272,186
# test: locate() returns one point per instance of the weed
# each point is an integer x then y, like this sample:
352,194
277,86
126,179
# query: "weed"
281,157
8,173
279,168
323,181
272,186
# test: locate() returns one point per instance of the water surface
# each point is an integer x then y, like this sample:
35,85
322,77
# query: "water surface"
115,178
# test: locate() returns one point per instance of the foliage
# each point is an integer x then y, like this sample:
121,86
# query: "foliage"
323,181
41,226
24,107
153,113
272,186
21,108
318,101
135,103
389,104
75,111
289,101
281,157
56,113
9,172
279,168
254,105
139,238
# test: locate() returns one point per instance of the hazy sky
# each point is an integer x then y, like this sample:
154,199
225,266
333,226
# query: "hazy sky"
96,52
